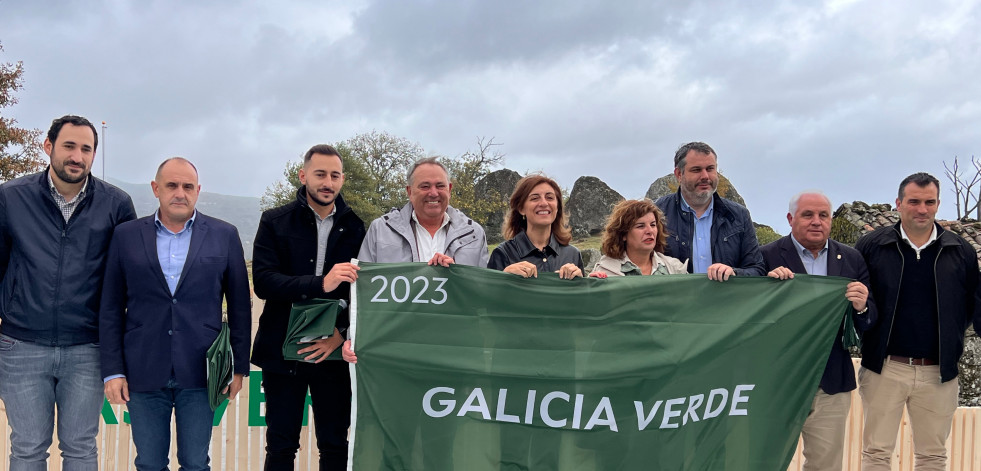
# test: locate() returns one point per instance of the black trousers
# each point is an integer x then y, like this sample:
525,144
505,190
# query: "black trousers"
330,392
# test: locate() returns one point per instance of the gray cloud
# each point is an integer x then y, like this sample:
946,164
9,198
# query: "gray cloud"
848,96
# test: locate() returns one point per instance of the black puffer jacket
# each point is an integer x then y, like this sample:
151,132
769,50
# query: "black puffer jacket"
51,269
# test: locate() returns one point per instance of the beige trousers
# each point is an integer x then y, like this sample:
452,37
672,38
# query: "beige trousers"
929,403
824,431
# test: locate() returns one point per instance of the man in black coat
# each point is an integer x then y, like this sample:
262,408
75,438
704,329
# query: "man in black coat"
302,250
808,249
925,279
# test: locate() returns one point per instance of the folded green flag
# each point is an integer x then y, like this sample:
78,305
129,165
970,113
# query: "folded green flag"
849,335
310,321
220,367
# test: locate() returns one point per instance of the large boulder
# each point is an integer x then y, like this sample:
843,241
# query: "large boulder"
589,259
497,186
589,205
668,184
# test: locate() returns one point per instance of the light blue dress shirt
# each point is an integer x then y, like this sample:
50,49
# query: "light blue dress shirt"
172,249
814,265
171,253
701,241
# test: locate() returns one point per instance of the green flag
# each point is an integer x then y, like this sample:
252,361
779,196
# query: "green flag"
310,321
464,368
220,367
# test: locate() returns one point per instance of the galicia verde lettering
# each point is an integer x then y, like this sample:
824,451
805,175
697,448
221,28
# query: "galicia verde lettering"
559,409
476,402
676,408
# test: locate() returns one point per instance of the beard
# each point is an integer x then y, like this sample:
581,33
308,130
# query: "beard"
62,172
696,197
317,198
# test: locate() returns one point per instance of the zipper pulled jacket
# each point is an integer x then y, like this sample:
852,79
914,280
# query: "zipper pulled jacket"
52,269
390,239
958,296
733,234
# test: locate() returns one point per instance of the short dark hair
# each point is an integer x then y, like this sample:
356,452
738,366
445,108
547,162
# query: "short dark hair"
921,179
323,149
58,123
682,152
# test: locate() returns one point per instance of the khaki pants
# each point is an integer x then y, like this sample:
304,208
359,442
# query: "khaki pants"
824,431
929,403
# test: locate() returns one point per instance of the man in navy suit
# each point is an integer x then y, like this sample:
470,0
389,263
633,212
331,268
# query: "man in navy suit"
808,249
166,277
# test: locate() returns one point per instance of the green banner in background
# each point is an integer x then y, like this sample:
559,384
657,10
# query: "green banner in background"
471,369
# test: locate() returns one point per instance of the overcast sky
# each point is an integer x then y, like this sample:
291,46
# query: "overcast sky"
846,96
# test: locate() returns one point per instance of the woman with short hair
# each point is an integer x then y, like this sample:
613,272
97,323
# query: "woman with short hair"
634,241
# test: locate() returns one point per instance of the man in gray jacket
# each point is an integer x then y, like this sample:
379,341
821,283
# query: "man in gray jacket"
427,229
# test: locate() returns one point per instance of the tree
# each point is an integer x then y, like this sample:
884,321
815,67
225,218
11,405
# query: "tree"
964,192
468,169
20,149
379,162
282,191
375,165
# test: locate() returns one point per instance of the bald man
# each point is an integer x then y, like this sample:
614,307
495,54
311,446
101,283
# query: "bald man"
166,278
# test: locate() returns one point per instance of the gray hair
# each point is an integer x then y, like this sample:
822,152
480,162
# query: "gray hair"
795,200
425,161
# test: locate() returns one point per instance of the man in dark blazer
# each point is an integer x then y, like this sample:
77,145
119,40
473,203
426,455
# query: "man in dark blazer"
808,249
166,277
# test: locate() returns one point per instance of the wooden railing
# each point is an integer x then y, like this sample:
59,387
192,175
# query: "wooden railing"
238,441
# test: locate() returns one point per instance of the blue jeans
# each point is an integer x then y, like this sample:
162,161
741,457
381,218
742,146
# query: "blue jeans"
34,379
149,415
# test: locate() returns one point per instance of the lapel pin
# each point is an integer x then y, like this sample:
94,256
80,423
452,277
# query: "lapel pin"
839,256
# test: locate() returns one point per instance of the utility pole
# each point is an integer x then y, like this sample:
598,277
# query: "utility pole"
103,151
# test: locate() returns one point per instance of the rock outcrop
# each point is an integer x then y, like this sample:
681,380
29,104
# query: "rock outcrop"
589,259
497,186
589,205
668,184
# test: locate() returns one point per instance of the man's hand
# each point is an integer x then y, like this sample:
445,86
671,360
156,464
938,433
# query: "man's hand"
235,387
340,273
781,273
598,274
522,268
347,352
858,294
441,260
569,271
720,272
117,391
322,347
